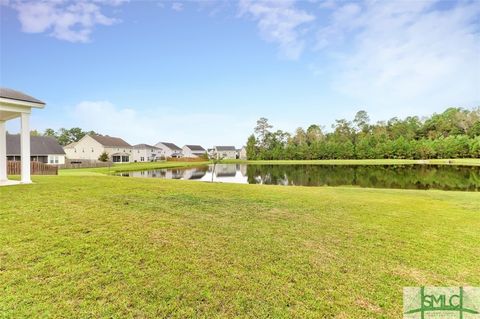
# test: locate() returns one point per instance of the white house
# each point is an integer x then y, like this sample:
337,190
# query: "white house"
193,151
145,153
43,149
225,152
90,147
14,104
169,149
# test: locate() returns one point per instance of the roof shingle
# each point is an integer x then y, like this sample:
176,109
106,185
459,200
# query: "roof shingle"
142,146
196,148
225,148
171,146
39,145
110,141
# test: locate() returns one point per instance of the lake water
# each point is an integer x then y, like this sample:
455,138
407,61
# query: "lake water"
461,178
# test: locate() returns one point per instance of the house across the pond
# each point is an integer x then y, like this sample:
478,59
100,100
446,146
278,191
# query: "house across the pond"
90,147
145,153
242,153
169,150
43,149
193,151
225,152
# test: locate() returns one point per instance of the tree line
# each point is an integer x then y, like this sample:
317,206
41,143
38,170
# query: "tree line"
455,133
64,136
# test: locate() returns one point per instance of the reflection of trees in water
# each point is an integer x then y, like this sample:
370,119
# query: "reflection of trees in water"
391,176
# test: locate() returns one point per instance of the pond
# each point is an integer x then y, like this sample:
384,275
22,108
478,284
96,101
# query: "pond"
460,178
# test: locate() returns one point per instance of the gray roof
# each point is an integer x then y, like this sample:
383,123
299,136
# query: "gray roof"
17,95
39,145
196,148
110,141
225,148
142,146
171,146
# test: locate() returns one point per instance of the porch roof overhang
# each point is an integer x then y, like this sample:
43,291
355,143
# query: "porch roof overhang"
13,103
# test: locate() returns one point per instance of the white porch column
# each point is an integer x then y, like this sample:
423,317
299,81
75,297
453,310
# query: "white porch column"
25,148
3,152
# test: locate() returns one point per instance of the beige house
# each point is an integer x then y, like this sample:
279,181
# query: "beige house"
193,151
90,147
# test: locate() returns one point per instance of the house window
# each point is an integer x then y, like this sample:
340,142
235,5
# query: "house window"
53,159
142,159
124,158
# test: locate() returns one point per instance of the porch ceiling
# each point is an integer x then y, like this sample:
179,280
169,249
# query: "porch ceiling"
8,115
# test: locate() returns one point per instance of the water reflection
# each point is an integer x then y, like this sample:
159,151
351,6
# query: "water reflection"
389,176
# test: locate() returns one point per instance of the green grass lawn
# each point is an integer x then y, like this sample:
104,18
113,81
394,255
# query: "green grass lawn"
111,247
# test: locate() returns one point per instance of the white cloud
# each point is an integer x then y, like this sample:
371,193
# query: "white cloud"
405,54
152,126
279,22
177,6
72,21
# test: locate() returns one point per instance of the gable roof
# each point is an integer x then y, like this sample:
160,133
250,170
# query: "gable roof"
142,146
110,141
171,146
195,148
39,145
7,93
71,145
225,148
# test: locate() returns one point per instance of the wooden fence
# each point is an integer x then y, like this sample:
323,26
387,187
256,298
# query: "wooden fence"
84,163
36,168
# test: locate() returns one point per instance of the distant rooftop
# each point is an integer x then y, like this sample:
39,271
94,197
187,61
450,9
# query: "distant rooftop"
225,148
171,146
142,146
110,141
196,148
18,96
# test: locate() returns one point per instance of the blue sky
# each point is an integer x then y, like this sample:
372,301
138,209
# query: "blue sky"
204,71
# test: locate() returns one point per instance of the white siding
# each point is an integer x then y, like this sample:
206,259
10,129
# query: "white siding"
56,159
165,151
145,154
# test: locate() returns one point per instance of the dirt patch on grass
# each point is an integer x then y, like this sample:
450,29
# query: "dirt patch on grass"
421,277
